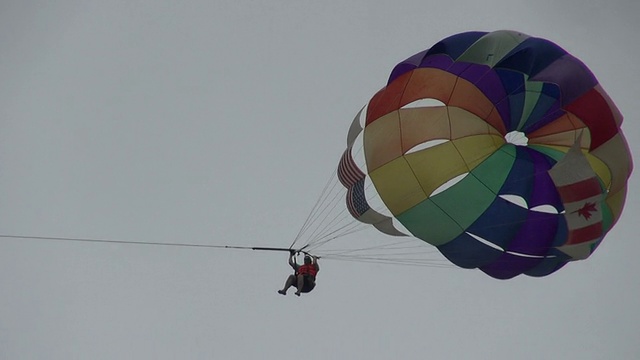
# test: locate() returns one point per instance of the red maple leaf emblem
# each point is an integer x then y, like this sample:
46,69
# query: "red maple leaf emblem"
586,210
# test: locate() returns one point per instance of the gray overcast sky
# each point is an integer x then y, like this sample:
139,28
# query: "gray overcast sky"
218,122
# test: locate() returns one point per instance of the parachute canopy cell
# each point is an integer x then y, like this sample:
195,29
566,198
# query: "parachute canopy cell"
500,149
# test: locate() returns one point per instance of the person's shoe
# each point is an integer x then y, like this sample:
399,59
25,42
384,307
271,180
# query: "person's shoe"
282,292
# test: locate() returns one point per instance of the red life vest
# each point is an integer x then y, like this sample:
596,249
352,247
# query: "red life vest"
308,269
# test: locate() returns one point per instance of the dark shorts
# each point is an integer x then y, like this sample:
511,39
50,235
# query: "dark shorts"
308,285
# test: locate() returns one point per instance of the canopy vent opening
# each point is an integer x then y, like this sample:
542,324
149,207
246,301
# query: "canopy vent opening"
517,138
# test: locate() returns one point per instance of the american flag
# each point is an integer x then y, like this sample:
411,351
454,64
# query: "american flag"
356,200
348,171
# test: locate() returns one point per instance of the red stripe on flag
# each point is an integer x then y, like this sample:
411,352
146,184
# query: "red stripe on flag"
580,190
587,233
348,171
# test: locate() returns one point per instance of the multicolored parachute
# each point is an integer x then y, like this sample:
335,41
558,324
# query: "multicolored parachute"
500,149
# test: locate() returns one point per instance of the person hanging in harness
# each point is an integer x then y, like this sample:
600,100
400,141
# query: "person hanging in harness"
304,278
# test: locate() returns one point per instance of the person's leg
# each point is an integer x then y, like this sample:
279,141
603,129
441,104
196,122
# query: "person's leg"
287,284
300,284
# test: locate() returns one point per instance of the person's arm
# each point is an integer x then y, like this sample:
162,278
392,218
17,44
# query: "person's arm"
292,261
315,262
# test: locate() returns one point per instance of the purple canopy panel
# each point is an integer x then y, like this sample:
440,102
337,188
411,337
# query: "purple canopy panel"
544,190
442,62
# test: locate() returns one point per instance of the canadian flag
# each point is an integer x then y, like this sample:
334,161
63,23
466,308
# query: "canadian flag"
582,197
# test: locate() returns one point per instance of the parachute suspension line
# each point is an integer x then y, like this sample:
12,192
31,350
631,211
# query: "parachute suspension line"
403,244
340,232
401,252
325,232
401,248
331,230
319,219
331,233
328,221
334,229
325,221
329,209
310,217
386,261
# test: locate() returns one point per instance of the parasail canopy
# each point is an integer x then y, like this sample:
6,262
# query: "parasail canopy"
500,149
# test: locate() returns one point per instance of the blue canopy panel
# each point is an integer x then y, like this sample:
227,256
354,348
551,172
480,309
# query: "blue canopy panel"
513,85
528,248
547,104
521,176
531,56
468,252
509,238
